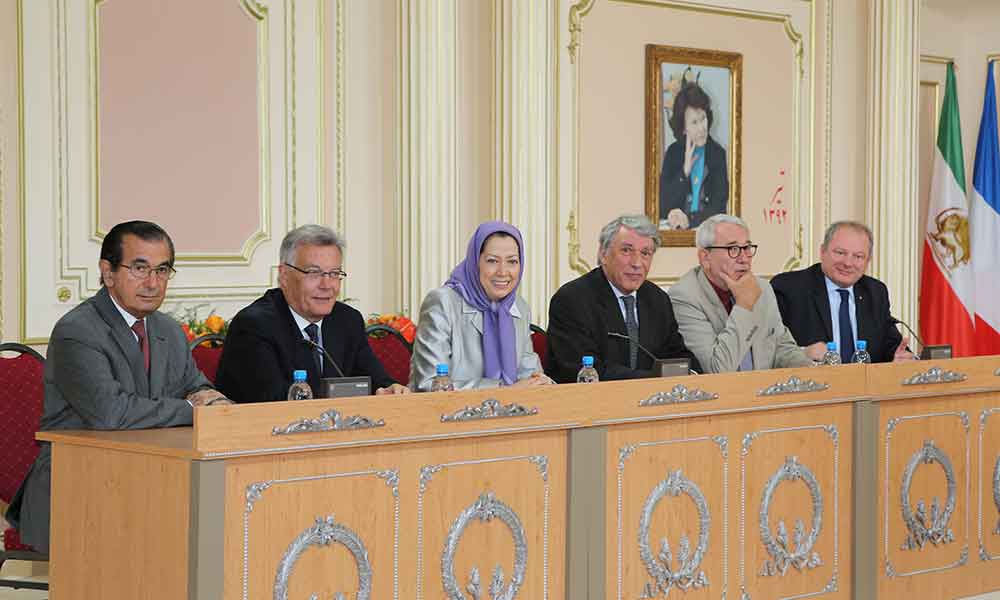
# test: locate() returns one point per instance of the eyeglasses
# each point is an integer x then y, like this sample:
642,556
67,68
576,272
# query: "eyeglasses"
142,271
734,251
316,274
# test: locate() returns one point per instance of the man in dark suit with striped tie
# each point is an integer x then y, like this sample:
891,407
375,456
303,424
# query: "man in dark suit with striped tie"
834,300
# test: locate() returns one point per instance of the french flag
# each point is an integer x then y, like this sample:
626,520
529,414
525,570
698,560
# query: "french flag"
985,220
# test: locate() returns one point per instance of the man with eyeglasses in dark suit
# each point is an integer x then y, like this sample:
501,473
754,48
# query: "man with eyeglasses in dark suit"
728,316
114,362
276,335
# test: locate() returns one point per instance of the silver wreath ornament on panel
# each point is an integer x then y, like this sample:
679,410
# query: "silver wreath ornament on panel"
323,533
796,551
996,493
486,508
928,523
666,574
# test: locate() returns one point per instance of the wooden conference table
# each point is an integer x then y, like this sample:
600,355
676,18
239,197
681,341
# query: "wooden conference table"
858,481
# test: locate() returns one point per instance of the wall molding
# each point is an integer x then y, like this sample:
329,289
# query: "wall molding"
427,124
891,185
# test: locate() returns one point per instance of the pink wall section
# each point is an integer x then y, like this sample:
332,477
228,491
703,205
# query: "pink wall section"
178,120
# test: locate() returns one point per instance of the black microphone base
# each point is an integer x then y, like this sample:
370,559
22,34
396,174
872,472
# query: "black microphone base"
935,352
672,367
341,387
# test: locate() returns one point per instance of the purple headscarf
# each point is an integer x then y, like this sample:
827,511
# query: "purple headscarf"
499,343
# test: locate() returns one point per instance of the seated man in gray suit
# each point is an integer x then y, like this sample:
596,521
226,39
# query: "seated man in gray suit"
728,316
114,362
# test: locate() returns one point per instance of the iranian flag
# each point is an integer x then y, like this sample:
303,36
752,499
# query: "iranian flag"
946,280
986,224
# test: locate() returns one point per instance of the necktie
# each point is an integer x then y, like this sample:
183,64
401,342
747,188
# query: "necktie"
632,328
139,327
313,332
846,334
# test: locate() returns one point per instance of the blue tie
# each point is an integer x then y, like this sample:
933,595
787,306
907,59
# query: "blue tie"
846,334
312,330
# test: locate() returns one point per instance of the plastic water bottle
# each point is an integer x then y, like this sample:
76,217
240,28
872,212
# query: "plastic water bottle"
832,355
299,389
442,381
861,352
587,374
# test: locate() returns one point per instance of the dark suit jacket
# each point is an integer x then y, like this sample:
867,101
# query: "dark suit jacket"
264,345
675,187
805,308
95,378
583,311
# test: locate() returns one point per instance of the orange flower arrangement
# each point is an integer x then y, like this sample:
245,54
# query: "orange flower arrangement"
194,327
400,323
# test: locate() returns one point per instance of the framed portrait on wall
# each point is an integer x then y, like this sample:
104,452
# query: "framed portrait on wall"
693,138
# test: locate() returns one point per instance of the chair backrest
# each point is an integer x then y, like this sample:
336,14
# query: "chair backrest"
392,350
540,343
22,393
207,356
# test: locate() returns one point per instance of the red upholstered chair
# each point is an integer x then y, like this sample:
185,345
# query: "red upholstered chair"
540,342
21,396
208,358
392,349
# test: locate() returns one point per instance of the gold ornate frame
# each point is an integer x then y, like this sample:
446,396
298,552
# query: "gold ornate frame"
655,56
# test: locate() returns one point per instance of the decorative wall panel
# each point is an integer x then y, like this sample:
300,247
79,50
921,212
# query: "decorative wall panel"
79,87
601,164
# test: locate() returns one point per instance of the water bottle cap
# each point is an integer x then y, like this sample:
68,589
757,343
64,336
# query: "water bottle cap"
588,361
861,345
831,346
299,375
442,369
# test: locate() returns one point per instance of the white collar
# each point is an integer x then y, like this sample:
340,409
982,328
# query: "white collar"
130,319
832,287
619,293
303,322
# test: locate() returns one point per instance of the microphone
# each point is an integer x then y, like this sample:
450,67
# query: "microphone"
926,352
326,354
615,334
663,365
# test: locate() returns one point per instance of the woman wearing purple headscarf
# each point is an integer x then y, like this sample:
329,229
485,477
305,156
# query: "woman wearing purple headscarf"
476,323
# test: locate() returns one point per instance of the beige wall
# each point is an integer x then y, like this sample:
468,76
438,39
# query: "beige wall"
335,138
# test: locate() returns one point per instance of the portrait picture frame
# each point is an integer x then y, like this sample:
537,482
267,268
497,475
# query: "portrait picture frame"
688,180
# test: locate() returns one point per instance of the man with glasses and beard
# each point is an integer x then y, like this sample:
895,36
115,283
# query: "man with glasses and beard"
278,333
114,362
728,316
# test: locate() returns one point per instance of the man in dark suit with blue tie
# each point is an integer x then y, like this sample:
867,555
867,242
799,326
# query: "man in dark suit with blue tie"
266,341
834,300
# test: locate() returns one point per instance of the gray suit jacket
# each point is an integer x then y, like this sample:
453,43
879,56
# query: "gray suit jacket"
451,331
720,340
95,379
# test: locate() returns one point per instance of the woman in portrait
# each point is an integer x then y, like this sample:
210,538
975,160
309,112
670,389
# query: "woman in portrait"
694,180
476,323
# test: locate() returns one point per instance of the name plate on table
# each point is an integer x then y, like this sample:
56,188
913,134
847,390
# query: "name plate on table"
342,387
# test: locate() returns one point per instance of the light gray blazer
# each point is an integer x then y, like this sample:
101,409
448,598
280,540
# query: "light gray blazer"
95,379
451,331
720,340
